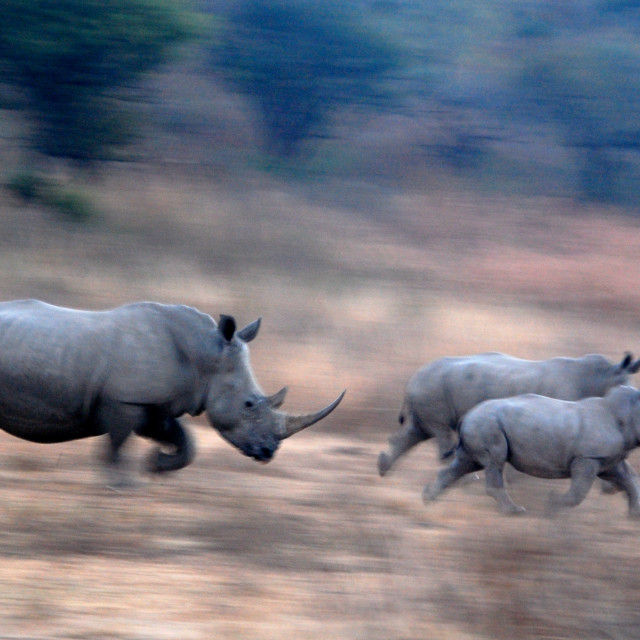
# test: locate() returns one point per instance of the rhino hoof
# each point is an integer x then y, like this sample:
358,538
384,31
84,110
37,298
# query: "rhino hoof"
515,510
608,488
429,494
384,463
512,509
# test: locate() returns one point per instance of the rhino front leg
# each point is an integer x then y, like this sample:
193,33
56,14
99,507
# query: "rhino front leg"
399,443
496,489
462,465
168,432
583,473
624,477
613,487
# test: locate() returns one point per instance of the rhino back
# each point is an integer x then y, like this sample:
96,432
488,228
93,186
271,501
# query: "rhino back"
540,434
577,378
160,354
501,376
468,381
457,384
55,363
43,373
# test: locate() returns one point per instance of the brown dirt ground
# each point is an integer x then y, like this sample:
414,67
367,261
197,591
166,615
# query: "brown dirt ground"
357,287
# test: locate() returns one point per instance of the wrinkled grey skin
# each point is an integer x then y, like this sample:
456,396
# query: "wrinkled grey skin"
549,438
439,395
67,374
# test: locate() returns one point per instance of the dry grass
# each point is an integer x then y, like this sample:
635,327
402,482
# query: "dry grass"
357,288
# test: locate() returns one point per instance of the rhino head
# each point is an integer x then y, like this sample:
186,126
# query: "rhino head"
237,407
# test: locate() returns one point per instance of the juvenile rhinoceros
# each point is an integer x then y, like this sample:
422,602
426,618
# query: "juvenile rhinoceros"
67,374
438,395
549,438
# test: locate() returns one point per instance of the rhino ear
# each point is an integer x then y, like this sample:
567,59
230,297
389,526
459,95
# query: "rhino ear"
635,367
626,361
227,327
250,331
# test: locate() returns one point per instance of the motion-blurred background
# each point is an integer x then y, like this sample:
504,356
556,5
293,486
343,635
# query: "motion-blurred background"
384,182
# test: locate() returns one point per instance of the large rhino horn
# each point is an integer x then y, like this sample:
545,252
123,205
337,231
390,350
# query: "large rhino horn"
293,424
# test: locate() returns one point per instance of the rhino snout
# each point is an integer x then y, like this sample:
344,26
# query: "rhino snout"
263,452
261,449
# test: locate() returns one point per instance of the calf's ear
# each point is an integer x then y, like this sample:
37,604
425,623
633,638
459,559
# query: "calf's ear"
227,327
250,331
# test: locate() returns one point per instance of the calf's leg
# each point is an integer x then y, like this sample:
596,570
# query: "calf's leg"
487,443
612,487
462,465
583,473
624,477
496,489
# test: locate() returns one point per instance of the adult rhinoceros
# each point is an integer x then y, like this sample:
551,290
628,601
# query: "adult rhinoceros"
439,394
67,374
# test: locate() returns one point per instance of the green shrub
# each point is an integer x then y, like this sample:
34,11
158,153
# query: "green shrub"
73,203
79,64
26,185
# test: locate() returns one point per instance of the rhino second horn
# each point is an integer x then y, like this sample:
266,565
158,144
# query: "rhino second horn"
276,400
293,424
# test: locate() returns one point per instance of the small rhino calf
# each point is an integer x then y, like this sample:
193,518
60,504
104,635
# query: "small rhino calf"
550,438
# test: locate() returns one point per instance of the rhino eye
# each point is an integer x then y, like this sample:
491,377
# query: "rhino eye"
249,404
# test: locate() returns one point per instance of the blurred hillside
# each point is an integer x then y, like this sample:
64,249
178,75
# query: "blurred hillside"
534,98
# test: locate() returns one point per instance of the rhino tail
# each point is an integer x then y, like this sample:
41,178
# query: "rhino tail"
400,441
405,412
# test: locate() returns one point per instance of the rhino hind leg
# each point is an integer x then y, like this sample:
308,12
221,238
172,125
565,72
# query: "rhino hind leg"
624,478
613,486
487,443
405,438
494,480
583,473
461,466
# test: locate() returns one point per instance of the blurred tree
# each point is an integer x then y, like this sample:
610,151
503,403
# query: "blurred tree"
587,83
77,61
298,60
